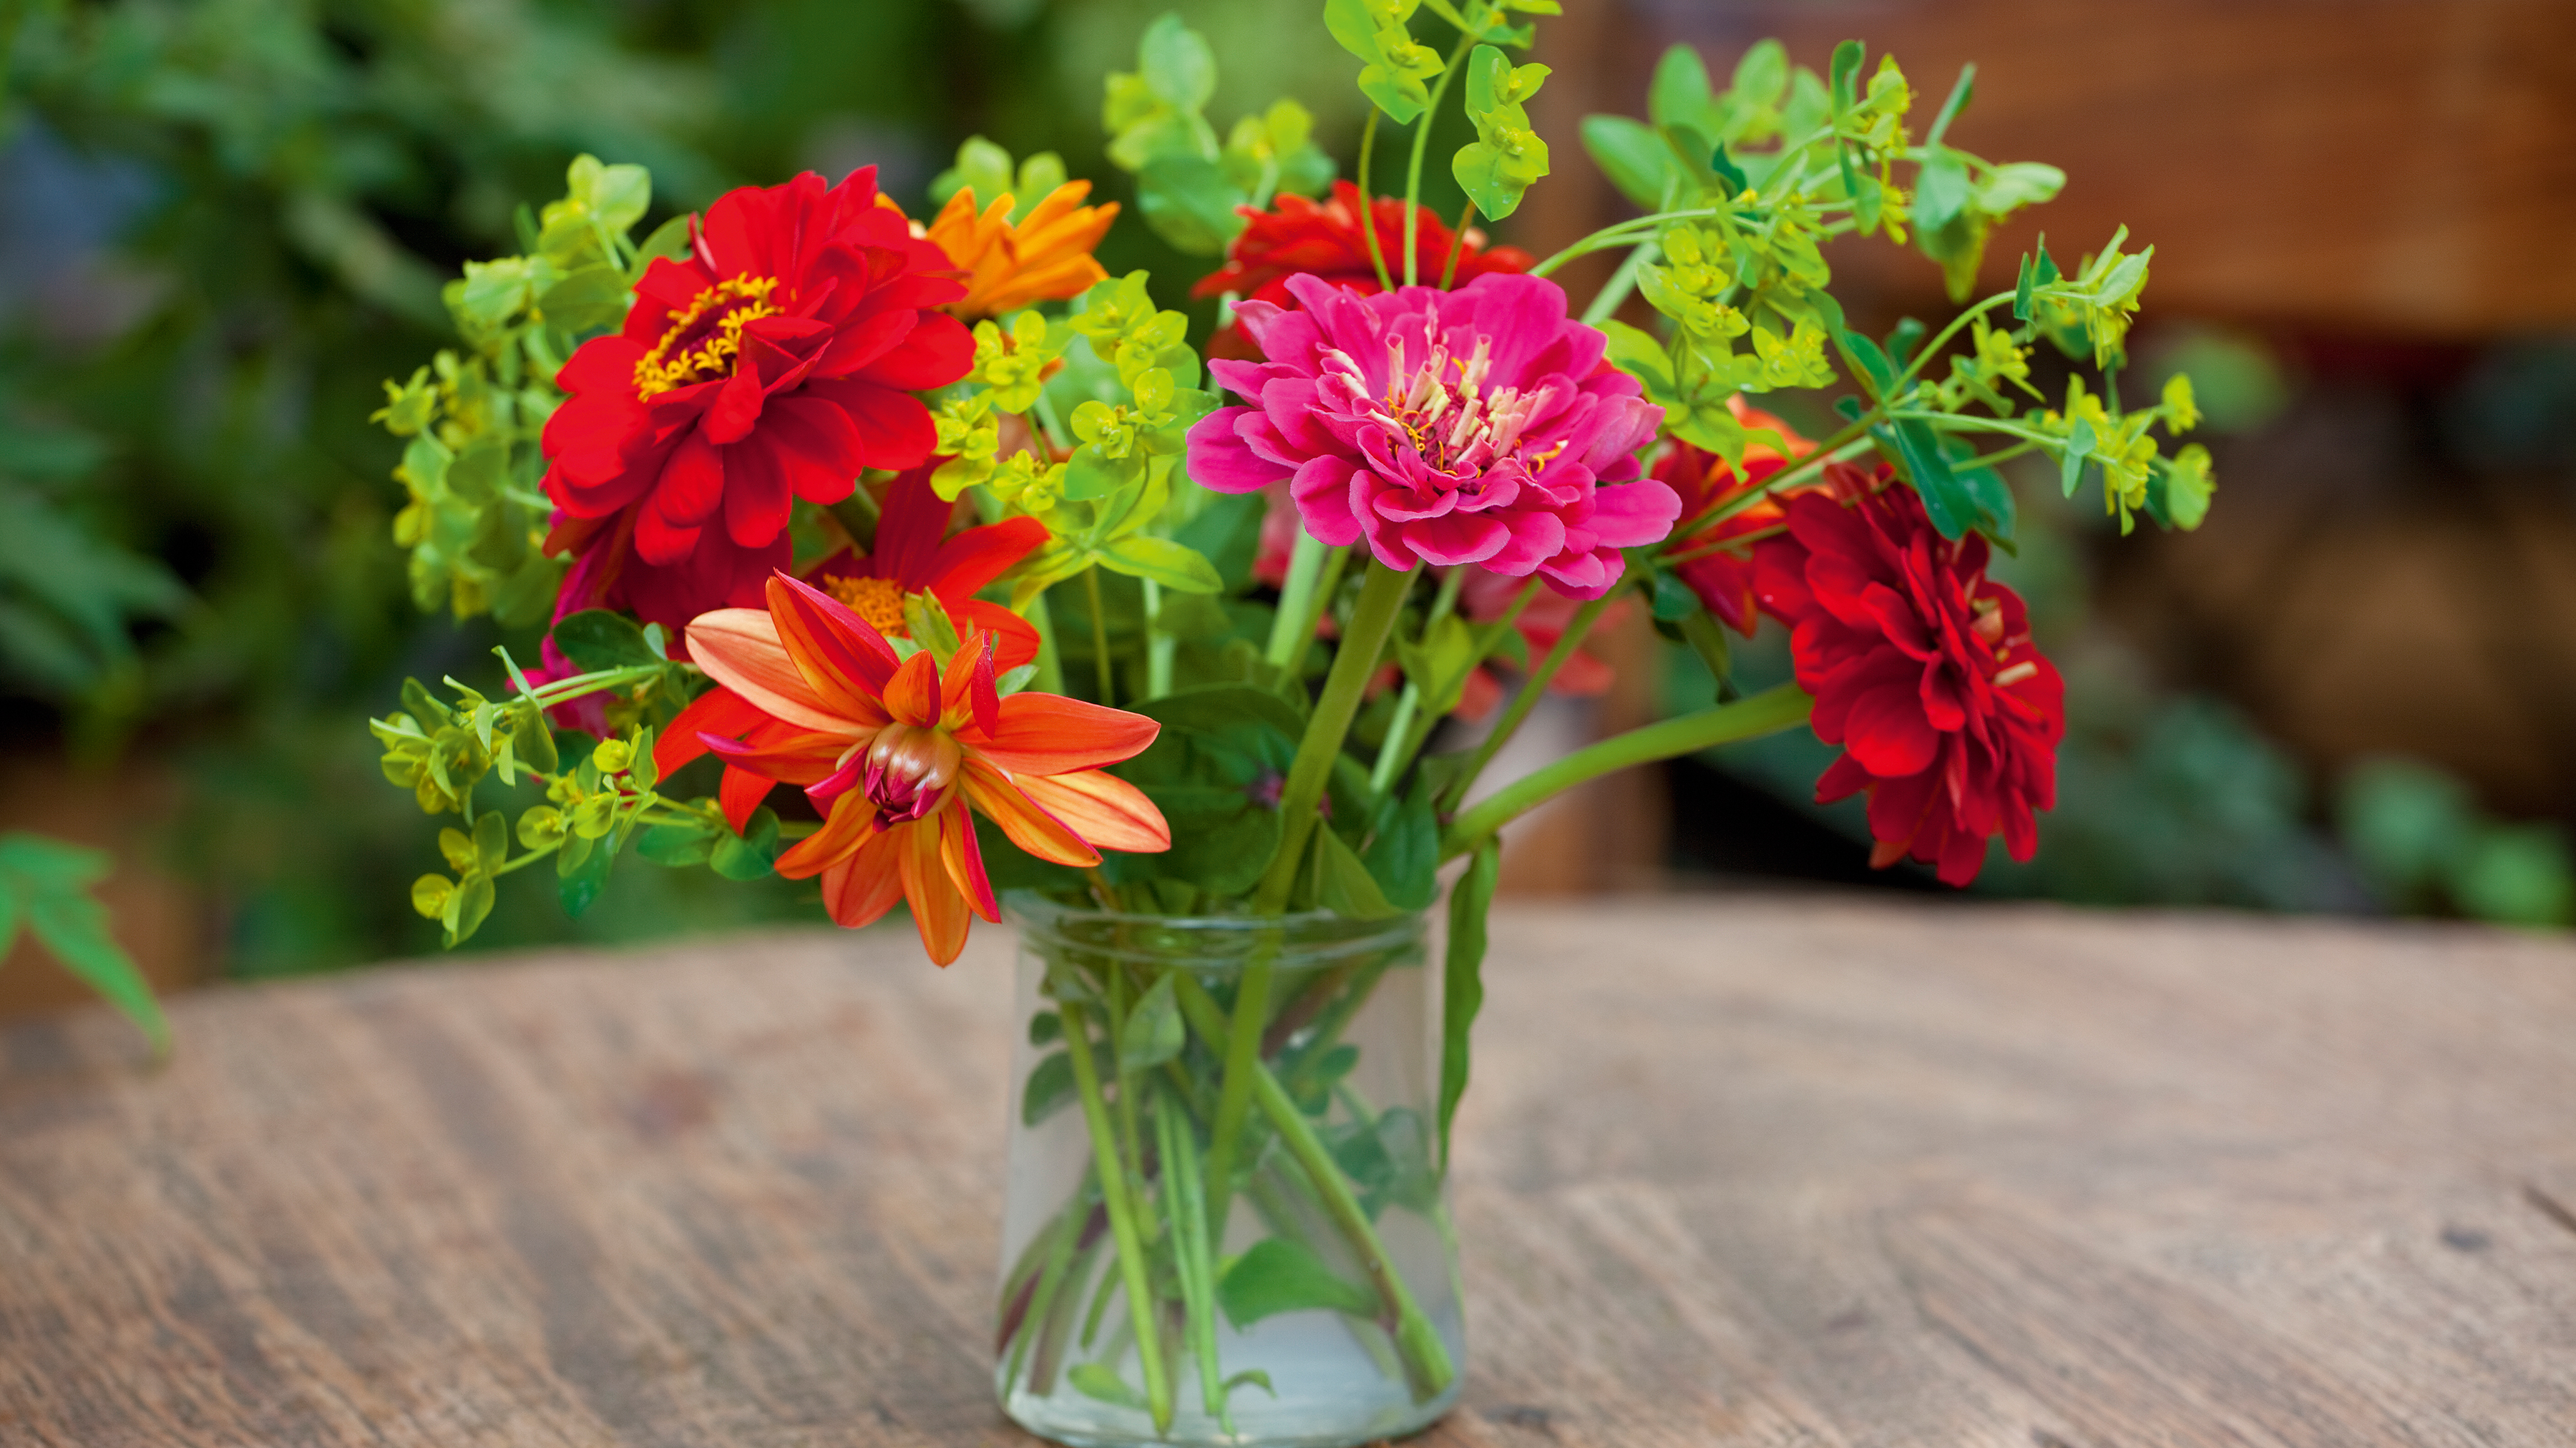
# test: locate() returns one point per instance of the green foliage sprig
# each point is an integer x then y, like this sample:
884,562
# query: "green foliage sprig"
45,885
475,523
1187,184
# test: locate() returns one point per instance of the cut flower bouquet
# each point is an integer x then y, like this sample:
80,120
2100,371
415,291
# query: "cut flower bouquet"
925,561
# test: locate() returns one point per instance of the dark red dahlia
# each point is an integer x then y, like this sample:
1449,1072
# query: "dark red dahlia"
1923,671
775,361
1305,238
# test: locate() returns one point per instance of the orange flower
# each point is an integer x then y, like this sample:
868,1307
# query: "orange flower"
1045,257
895,752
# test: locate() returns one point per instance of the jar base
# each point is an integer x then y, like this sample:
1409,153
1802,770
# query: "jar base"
1083,1423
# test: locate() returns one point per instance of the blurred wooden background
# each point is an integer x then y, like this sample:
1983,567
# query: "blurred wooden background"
2379,186
2386,184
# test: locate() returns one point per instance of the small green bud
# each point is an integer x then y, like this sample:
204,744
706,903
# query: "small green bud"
429,894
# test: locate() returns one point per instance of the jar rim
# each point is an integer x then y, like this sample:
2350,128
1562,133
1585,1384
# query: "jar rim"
1305,935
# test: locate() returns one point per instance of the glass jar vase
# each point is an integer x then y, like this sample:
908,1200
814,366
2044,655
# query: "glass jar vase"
1226,1219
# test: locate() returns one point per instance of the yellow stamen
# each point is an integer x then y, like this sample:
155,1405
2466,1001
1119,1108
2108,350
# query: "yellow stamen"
878,600
703,342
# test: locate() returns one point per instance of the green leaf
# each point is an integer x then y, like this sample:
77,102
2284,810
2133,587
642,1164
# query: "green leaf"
1954,504
1462,991
1961,93
2080,443
1349,890
1281,1274
1941,193
1153,1033
1680,94
1640,356
1404,858
1190,202
1762,76
44,882
581,871
2019,184
1101,1381
1673,599
1507,155
676,843
597,639
591,299
1633,156
1844,71
669,241
1170,564
1176,63
748,856
1050,1089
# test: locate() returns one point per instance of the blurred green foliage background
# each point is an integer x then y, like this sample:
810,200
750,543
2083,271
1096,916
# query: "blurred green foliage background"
226,221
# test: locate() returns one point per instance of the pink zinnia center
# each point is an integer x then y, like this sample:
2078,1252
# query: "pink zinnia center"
1440,406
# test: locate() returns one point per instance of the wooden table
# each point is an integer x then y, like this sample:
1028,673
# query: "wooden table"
1735,1170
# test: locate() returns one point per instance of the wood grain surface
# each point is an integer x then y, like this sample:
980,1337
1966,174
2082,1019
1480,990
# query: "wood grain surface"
1736,1170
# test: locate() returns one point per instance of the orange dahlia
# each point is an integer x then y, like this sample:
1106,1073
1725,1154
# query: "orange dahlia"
1043,257
896,751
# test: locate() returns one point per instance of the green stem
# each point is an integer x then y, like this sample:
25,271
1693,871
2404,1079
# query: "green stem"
1337,561
1619,233
1392,755
1050,424
1159,646
1050,660
1100,639
1186,1206
1122,1211
1838,448
1368,207
1426,1357
1421,143
1621,283
857,515
1457,244
1380,601
1931,349
1532,689
1768,712
1296,594
1381,598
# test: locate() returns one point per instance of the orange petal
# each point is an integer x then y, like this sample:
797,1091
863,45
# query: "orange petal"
1015,640
964,859
1050,734
851,823
1105,810
912,695
739,648
794,759
741,792
861,889
841,654
1028,824
937,908
717,711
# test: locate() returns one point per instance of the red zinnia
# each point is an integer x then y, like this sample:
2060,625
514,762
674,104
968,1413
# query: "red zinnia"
776,361
1923,670
1723,578
1303,238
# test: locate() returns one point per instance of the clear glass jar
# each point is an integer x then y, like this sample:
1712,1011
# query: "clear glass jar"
1314,1299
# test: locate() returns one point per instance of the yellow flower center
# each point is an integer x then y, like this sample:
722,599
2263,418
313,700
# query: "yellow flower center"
703,342
878,600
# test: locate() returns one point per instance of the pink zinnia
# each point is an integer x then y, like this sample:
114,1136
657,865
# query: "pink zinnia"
1472,426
